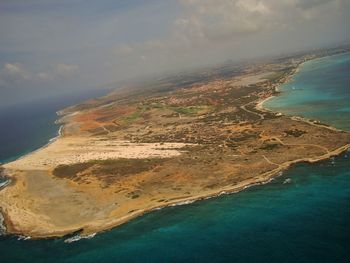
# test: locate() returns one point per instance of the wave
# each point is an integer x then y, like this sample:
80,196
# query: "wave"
2,225
187,202
23,238
79,237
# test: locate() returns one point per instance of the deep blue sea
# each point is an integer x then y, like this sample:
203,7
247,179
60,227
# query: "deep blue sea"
27,127
307,220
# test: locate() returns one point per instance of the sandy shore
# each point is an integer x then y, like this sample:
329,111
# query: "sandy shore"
260,104
70,150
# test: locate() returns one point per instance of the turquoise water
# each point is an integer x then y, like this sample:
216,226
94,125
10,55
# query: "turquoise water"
304,221
307,220
321,90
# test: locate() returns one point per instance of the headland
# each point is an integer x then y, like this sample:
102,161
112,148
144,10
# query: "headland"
161,143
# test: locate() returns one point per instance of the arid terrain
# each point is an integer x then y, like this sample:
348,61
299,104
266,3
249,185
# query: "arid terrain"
161,143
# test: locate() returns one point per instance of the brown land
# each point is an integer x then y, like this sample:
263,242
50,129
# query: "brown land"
139,149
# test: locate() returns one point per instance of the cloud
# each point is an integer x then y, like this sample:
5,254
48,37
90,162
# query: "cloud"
13,74
210,31
222,20
15,71
86,45
207,22
16,75
66,70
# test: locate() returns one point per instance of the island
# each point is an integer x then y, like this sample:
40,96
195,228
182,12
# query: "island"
162,142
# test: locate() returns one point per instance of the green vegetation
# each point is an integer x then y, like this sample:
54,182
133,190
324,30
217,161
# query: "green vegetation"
269,146
295,132
157,105
140,110
132,117
274,76
192,110
185,110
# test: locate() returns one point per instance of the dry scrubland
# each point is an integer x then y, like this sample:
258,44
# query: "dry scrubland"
158,144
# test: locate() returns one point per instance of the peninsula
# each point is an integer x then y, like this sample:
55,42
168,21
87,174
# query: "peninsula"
158,143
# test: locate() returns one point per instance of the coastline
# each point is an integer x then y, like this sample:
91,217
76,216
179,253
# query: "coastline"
52,140
59,134
90,230
260,103
259,180
262,179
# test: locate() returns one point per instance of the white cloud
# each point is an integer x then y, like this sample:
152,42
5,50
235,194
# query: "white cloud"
206,22
15,70
210,31
155,37
13,74
16,75
222,20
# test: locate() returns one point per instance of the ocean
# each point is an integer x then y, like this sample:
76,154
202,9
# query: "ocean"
29,126
306,220
321,90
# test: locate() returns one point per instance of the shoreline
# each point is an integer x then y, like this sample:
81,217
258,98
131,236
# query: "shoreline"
48,143
258,180
52,140
267,177
261,180
288,78
90,231
260,103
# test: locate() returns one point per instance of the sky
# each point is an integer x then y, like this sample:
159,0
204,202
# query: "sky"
52,47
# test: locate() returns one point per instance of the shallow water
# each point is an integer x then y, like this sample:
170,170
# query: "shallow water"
321,90
306,220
